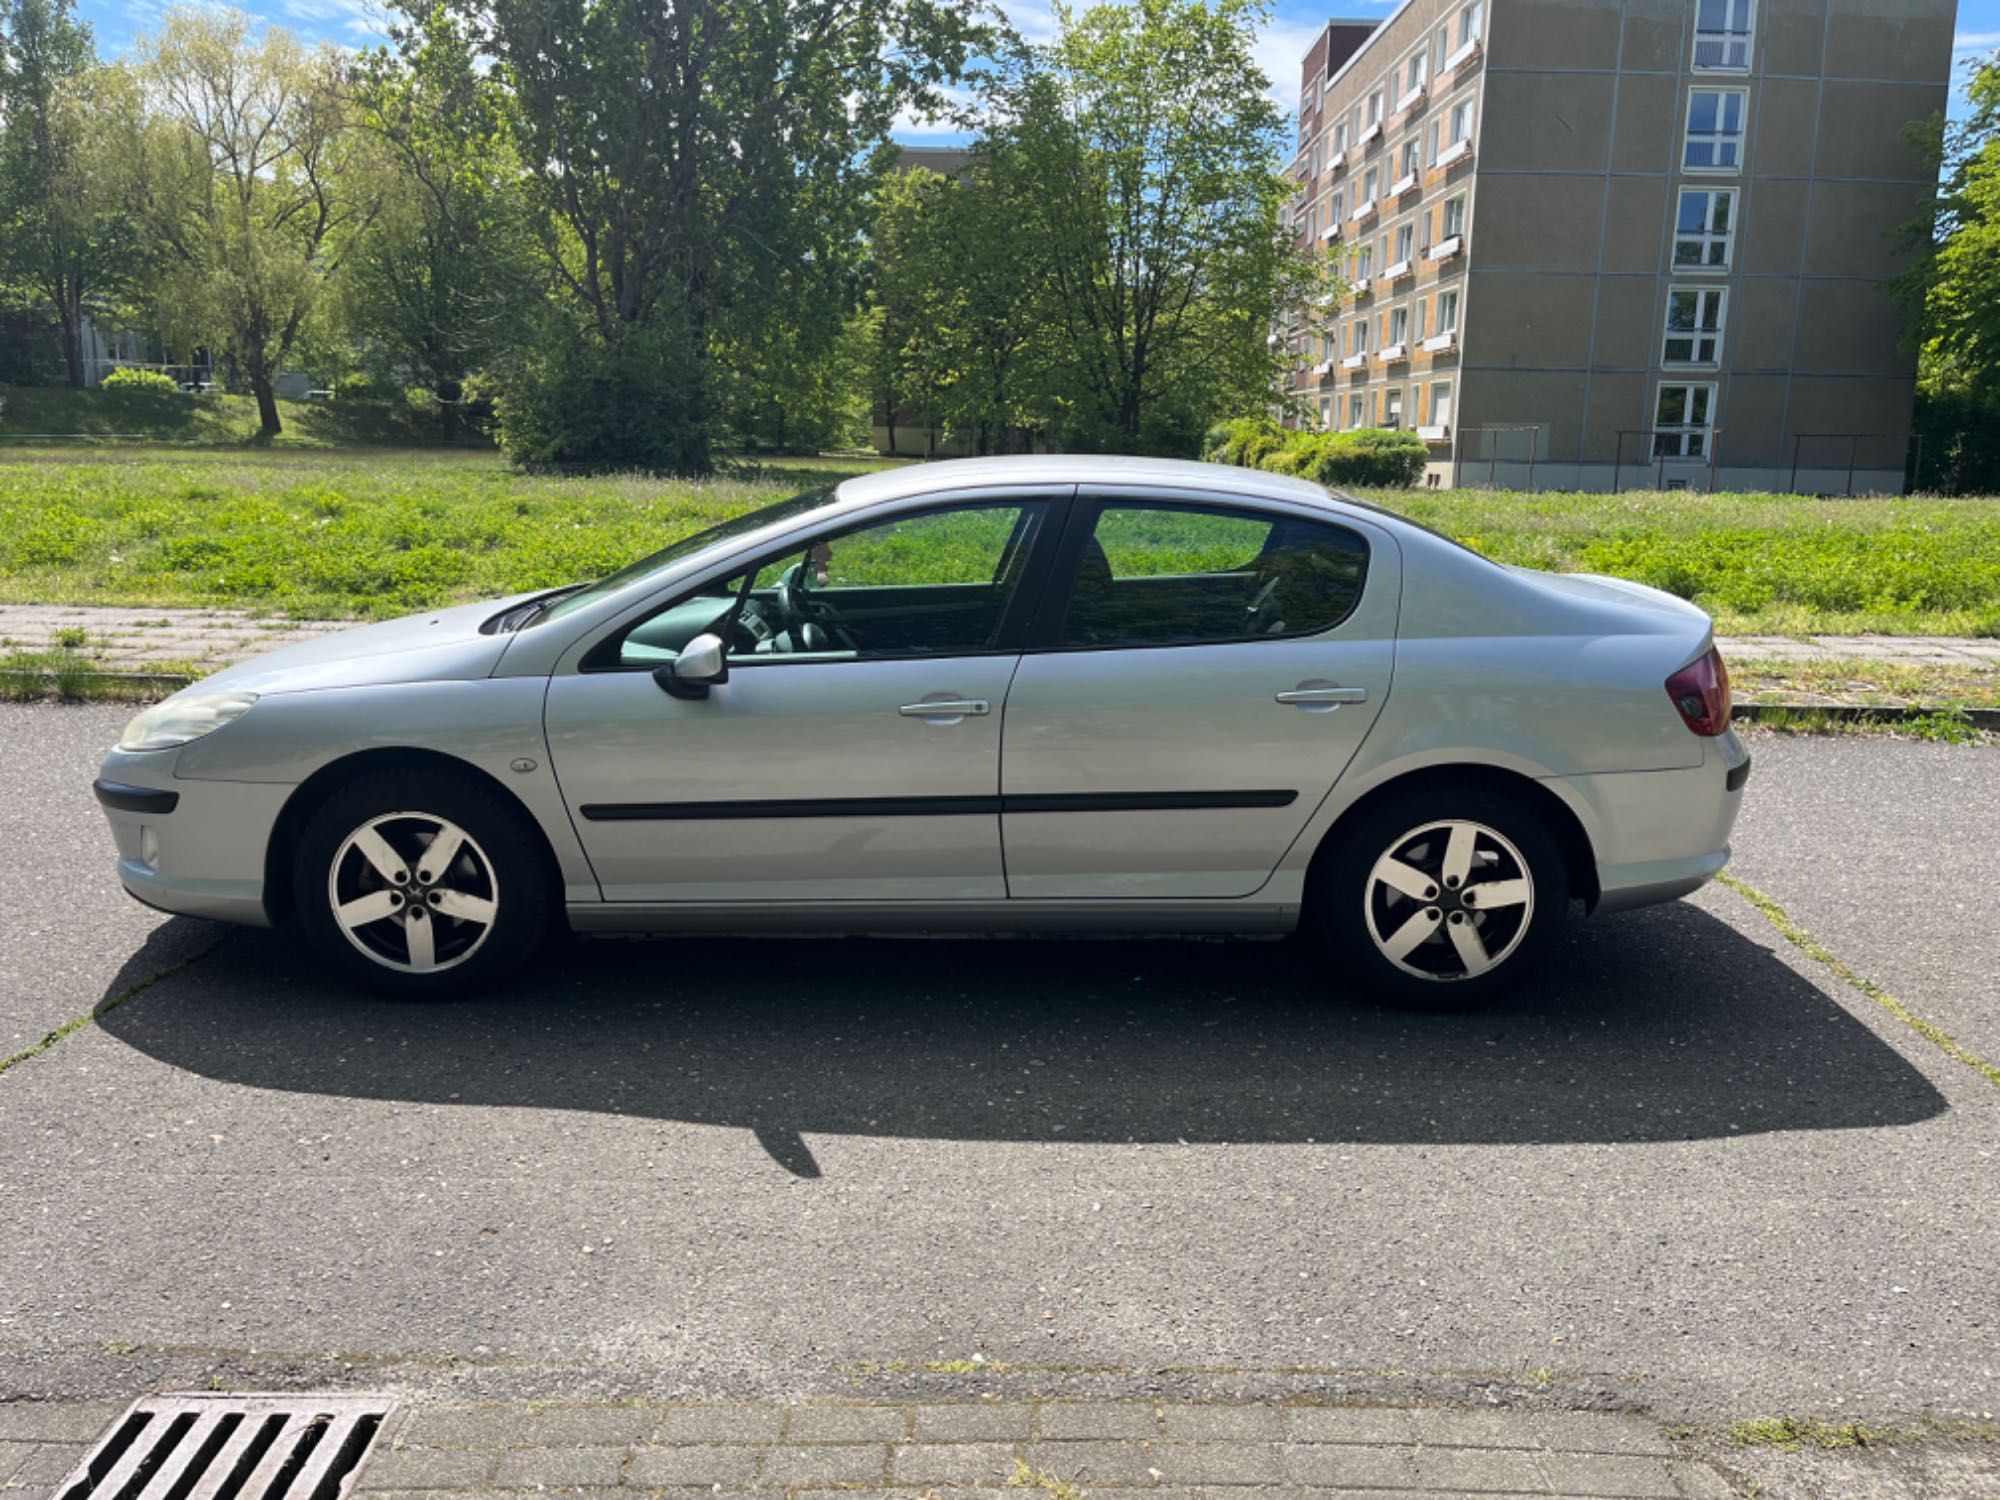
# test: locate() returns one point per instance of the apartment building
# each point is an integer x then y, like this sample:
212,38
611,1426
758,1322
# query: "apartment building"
1624,243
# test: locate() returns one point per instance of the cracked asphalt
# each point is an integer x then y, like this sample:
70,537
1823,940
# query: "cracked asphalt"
1687,1172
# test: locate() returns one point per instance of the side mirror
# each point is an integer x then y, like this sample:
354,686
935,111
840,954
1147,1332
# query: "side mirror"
703,662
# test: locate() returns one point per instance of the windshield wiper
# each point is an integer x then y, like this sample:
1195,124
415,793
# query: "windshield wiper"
523,615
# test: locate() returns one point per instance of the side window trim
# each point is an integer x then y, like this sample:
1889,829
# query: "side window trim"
1044,636
1057,500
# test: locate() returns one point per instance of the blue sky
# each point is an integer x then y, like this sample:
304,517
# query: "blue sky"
1292,27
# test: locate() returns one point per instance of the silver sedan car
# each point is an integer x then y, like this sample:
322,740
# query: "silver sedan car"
1017,694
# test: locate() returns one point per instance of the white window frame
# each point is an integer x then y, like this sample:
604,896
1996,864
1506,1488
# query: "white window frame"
1357,410
1436,386
1416,71
1708,236
1392,407
1406,242
1724,48
1674,441
1326,413
1412,158
1399,325
1461,114
1340,138
1453,223
1719,141
1364,262
1704,349
1375,107
1471,23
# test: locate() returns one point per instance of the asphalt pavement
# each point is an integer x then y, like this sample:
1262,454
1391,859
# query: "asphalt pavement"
1687,1172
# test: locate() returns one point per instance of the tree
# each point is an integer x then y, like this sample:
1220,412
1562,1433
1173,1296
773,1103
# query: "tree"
258,184
1952,288
68,128
1140,151
438,285
684,151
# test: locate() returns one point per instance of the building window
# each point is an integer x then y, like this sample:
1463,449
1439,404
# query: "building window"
1454,216
1357,336
1406,236
1722,36
1412,156
1368,183
1399,326
1326,411
1694,326
1447,319
1468,22
1705,229
1461,121
1393,416
1374,106
1413,75
1441,403
1443,45
1355,411
1338,210
1340,138
1714,130
1364,262
1431,154
1683,421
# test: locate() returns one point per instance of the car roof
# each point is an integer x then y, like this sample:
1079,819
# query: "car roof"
1072,468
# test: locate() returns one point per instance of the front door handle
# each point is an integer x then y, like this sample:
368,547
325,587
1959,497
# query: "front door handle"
1325,695
947,708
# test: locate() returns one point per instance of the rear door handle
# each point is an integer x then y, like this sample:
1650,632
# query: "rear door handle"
1325,695
947,708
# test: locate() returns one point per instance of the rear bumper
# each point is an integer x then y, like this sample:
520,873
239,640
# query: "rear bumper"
1661,834
192,848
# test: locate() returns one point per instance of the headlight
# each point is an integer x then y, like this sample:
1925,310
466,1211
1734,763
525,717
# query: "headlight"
188,715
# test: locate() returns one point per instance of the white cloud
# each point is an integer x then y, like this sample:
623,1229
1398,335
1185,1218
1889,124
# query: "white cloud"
1975,41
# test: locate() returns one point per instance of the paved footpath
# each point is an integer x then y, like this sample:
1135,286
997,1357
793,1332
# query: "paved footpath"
134,639
901,1451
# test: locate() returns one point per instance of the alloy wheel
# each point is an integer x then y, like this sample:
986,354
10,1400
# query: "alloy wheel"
413,891
1449,901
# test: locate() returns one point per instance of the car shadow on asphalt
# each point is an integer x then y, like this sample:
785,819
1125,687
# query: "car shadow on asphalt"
1660,1025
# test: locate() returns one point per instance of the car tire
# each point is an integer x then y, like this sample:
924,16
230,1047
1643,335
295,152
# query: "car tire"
376,910
1393,867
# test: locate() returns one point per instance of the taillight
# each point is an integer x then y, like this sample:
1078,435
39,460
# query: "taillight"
1700,691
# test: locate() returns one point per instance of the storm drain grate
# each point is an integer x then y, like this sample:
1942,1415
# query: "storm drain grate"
230,1447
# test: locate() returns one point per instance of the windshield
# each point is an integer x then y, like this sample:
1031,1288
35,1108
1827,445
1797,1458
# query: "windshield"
687,546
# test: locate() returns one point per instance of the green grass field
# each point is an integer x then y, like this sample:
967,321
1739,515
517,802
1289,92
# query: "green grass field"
31,415
378,532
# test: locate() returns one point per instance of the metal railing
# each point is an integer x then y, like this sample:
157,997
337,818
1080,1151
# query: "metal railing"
1710,439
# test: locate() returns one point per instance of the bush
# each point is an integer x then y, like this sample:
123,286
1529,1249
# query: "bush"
1385,458
584,405
131,378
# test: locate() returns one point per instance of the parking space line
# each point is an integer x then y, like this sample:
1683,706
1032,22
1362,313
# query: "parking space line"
1817,951
105,1007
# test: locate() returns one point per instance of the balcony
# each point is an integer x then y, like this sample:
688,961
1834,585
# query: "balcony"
1405,184
1394,354
1324,367
1441,343
1363,211
1455,153
1413,100
1398,271
1355,362
1335,162
1446,248
1358,287
1331,232
1368,136
1463,57
1437,434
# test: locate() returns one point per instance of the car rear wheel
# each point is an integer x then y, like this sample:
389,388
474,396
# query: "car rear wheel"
1442,900
421,883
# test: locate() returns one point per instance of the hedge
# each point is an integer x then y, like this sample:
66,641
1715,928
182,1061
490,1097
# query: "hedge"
1377,456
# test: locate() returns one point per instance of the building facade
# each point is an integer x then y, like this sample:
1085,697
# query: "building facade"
1620,243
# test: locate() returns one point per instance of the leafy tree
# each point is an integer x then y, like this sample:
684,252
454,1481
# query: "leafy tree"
685,153
1140,152
438,285
1952,287
68,237
258,184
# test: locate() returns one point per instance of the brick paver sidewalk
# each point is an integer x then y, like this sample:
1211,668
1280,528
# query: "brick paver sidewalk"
134,639
907,1450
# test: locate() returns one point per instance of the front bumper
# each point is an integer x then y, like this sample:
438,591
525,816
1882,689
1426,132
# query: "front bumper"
193,848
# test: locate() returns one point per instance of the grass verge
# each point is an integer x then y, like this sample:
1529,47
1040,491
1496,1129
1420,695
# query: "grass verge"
1790,1434
69,675
378,532
1807,944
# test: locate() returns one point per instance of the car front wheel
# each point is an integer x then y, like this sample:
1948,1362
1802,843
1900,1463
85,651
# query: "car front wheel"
1443,901
421,883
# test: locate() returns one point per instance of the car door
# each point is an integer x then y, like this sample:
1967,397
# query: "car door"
1202,671
851,754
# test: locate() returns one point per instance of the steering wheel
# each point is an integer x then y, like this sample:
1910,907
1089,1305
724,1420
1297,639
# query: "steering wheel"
795,620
